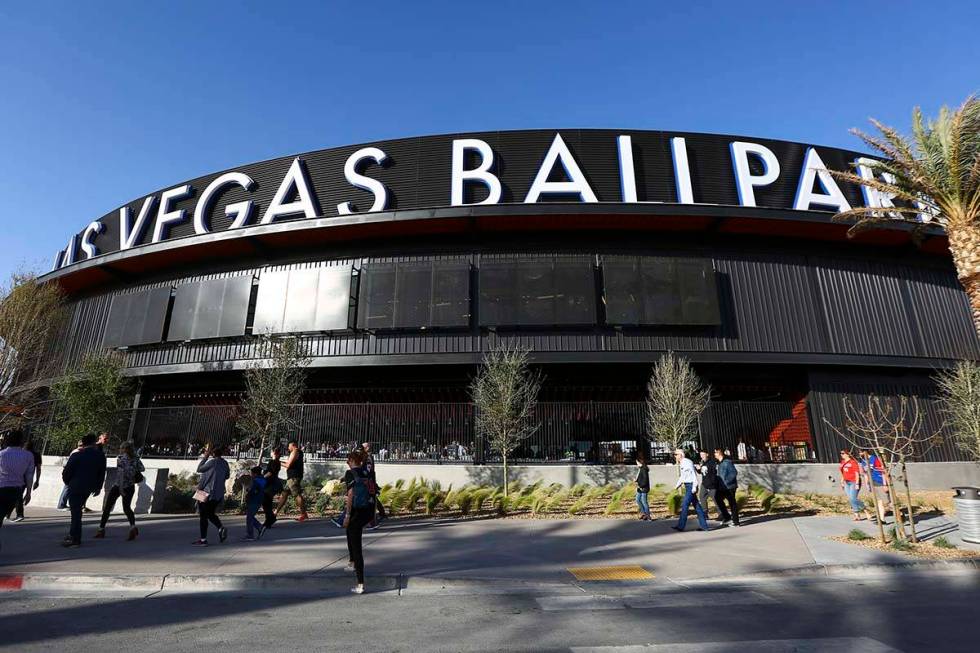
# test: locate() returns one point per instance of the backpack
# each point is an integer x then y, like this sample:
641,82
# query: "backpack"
364,491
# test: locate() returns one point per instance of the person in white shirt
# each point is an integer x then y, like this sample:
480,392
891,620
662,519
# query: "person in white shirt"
16,473
689,480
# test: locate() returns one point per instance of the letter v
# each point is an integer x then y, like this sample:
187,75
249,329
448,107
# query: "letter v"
129,236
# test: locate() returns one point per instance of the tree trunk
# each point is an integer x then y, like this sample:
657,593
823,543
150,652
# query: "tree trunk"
964,245
879,507
505,475
908,501
893,499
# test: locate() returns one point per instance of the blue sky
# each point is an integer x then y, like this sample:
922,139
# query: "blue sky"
102,102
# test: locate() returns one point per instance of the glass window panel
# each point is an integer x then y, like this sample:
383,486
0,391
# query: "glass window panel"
207,316
116,322
333,299
156,315
301,301
185,308
270,303
376,299
574,284
413,295
234,306
661,299
498,294
699,295
451,295
623,290
536,303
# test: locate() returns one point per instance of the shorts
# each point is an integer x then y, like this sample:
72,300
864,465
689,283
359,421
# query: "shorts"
294,486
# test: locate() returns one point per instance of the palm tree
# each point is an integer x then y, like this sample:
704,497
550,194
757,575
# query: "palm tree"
936,175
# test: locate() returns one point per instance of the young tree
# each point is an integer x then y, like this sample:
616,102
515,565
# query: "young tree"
675,398
959,399
90,397
272,389
30,315
892,430
935,175
505,392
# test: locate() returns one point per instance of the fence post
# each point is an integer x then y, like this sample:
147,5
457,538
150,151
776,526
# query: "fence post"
187,436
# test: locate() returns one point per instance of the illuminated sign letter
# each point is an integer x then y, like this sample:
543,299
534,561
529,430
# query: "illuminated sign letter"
166,217
130,235
813,169
480,174
745,181
295,178
577,184
69,256
92,230
356,179
240,211
682,171
627,174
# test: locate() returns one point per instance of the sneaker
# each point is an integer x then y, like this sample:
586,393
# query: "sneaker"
357,589
678,529
133,532
222,534
303,517
99,534
262,530
199,543
86,509
373,526
726,523
336,522
736,525
248,538
71,544
17,519
65,509
704,530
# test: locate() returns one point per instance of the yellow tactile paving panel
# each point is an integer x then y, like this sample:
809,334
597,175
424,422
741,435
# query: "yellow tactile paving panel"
620,572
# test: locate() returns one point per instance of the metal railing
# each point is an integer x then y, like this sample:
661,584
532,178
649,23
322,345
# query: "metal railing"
568,432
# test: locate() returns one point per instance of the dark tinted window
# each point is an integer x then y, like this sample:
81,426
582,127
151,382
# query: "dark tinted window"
136,318
659,290
542,291
414,295
216,308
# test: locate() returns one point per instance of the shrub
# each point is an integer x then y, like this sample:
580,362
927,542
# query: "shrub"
674,503
464,501
396,500
179,496
943,543
432,500
579,505
556,500
324,504
578,490
901,545
857,535
502,504
531,489
400,483
741,500
768,501
480,496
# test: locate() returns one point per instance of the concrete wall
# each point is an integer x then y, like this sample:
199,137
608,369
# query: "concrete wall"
149,493
819,478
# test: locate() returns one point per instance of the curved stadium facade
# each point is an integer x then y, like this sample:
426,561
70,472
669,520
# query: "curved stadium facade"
401,262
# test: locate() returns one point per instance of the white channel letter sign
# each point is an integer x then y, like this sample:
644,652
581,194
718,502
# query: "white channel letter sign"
474,162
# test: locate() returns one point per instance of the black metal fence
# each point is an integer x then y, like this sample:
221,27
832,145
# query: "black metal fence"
567,432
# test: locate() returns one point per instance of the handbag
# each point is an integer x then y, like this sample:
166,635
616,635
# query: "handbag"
201,496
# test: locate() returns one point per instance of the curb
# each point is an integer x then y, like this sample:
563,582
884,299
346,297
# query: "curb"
852,570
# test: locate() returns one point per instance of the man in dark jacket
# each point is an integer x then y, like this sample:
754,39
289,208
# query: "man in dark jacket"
725,490
84,474
708,469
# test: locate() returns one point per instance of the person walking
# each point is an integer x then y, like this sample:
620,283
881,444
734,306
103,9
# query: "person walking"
689,480
294,481
16,473
643,486
708,469
725,490
273,486
214,473
850,483
874,475
129,473
359,512
380,514
38,461
84,474
253,502
63,497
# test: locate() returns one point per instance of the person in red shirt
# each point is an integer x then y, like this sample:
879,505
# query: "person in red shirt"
850,483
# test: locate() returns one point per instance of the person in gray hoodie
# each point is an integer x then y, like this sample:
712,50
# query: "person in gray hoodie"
214,473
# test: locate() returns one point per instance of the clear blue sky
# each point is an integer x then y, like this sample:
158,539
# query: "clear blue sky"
101,102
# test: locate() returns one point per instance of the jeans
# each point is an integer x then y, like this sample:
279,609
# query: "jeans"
725,495
703,494
251,523
76,501
852,489
359,518
690,498
642,503
114,493
207,511
63,498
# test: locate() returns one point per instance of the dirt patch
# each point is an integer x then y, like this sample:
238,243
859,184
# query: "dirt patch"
926,550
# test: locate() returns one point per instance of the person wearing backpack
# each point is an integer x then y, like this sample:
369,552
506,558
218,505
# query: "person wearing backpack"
359,512
129,474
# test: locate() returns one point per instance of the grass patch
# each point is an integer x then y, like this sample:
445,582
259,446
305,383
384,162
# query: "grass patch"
942,543
857,535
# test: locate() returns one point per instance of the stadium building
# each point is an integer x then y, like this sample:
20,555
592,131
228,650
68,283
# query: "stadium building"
401,262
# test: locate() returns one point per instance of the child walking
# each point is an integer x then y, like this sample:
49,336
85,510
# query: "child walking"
253,503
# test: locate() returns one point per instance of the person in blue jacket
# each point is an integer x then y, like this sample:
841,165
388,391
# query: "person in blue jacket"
253,503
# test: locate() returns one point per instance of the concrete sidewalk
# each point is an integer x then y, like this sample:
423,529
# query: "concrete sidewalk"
513,551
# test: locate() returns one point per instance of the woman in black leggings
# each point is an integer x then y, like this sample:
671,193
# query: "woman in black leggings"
214,473
360,512
128,466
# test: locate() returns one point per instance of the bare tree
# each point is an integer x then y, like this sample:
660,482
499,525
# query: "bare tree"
894,434
272,388
676,396
505,392
31,313
959,399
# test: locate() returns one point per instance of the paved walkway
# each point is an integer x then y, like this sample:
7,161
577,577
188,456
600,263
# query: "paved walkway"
511,549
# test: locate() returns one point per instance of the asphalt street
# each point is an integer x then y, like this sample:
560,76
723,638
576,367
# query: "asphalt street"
903,612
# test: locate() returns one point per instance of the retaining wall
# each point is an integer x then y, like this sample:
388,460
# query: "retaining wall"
149,494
